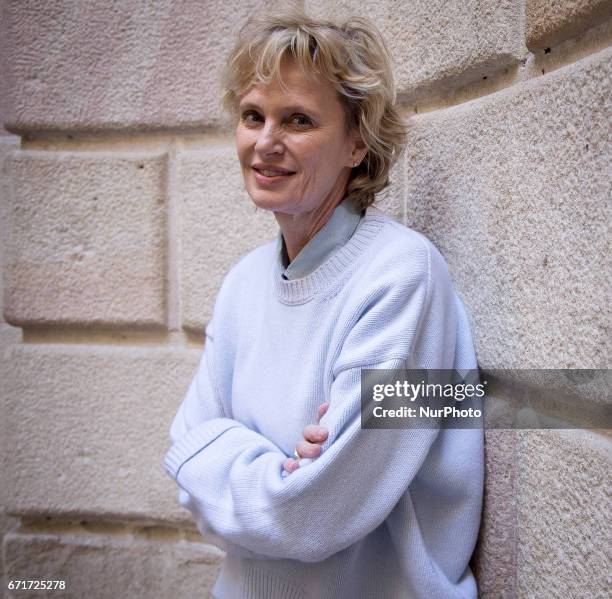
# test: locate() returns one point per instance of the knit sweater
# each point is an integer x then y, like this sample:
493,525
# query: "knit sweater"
384,514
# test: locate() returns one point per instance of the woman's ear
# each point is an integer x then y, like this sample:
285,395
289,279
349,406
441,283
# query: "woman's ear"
359,152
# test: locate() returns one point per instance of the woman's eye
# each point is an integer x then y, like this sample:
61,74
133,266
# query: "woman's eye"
250,117
301,120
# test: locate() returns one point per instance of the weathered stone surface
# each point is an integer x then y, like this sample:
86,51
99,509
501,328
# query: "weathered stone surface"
88,239
88,428
495,556
8,144
548,22
133,65
219,224
3,68
564,489
514,191
442,46
100,566
8,334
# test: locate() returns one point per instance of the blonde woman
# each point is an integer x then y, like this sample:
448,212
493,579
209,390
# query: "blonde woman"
332,510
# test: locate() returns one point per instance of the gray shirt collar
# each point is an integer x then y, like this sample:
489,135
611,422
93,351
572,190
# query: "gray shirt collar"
330,238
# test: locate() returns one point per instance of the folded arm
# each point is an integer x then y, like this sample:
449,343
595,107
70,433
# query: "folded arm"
201,404
234,478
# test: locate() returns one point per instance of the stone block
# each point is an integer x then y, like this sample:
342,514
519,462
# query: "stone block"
514,191
8,336
494,560
8,144
88,428
134,65
548,23
3,69
219,224
99,566
564,530
439,48
88,239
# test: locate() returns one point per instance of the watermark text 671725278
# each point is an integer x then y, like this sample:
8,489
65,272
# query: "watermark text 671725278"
36,585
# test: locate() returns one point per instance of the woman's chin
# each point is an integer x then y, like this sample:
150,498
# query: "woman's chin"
267,201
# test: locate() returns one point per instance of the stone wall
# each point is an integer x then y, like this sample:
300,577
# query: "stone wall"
122,206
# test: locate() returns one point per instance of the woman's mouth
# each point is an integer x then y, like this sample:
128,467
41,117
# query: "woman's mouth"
270,175
269,172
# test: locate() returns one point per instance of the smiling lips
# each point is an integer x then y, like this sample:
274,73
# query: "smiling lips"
272,172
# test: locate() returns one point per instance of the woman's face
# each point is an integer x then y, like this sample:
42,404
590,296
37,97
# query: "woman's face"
293,148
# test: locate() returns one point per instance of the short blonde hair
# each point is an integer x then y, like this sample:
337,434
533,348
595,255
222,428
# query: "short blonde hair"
353,57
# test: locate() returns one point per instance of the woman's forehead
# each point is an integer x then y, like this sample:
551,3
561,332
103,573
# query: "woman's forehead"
293,87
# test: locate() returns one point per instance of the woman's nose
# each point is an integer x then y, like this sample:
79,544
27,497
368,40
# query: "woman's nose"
269,140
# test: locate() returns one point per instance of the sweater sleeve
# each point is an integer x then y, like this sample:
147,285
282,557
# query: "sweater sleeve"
234,474
202,404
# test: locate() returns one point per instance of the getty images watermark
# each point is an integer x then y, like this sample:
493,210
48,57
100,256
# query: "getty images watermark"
496,398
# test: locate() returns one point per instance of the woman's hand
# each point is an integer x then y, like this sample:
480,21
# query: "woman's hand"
314,435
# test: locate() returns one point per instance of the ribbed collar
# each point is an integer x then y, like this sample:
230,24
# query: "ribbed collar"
338,229
299,291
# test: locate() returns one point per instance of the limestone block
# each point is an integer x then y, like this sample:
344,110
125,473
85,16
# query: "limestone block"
495,556
8,336
100,566
564,504
88,239
442,45
219,224
548,22
3,69
92,66
8,144
88,428
514,190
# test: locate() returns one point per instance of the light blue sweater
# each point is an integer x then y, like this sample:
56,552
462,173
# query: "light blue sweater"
380,513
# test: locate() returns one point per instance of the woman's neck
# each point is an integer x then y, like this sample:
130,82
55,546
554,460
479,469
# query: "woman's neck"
299,228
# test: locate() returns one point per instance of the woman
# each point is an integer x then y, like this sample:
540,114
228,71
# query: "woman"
376,513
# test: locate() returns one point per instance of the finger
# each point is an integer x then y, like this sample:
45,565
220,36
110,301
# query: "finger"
290,465
321,411
315,433
308,450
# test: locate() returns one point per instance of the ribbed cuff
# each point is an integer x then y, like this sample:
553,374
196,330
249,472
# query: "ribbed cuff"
194,441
